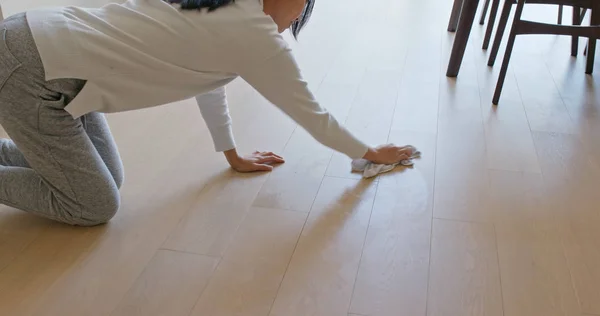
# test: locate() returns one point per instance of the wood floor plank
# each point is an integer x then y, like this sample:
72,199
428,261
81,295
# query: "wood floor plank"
586,118
17,230
321,275
306,164
461,185
536,279
581,246
339,99
249,275
394,268
571,178
509,145
464,276
533,77
549,115
377,87
343,71
424,56
122,255
372,127
569,170
257,134
417,106
170,285
210,224
38,266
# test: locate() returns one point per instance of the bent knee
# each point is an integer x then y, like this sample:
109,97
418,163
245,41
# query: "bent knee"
101,209
119,178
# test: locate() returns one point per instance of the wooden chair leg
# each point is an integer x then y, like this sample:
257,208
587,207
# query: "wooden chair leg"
560,14
509,47
581,17
491,22
500,31
484,12
455,15
591,49
575,39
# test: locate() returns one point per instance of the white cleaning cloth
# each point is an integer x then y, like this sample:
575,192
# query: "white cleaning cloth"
370,169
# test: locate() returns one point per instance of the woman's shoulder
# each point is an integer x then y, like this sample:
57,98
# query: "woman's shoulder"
243,21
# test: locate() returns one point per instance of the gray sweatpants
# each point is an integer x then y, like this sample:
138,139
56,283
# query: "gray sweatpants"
61,168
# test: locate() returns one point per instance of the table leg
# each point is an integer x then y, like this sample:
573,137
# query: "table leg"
454,16
467,17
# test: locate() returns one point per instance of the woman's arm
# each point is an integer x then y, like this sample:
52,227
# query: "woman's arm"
279,80
215,112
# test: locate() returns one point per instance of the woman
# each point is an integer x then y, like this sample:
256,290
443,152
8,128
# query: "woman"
62,68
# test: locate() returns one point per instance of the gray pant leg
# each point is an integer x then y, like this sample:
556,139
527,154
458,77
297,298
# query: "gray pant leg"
68,180
97,129
10,155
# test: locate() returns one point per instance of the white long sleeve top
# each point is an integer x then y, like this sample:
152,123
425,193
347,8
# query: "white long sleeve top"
146,53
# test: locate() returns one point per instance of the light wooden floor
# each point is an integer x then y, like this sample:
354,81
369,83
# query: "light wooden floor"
501,216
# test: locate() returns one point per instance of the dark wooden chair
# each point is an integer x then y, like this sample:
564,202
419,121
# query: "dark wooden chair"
492,19
455,15
456,10
524,27
487,5
578,16
577,20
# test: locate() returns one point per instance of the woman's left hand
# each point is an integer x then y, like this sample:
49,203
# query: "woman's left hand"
257,161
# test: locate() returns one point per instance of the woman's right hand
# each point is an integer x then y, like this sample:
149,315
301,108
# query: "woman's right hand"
257,161
388,154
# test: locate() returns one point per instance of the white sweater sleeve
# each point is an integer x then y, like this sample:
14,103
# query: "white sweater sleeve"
215,112
278,79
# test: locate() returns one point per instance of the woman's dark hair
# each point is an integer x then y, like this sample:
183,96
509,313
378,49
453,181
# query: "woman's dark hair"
303,18
212,5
